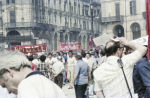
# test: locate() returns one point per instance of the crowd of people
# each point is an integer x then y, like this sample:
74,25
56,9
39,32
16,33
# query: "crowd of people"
120,70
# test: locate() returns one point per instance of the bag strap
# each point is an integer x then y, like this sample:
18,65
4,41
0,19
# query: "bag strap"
121,66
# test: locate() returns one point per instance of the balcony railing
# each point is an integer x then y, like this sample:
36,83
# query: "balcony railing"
15,38
112,19
27,24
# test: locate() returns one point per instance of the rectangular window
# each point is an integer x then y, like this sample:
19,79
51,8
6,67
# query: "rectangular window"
87,10
70,6
84,25
70,22
75,7
60,18
7,1
33,2
13,1
1,23
59,2
65,21
65,5
83,10
12,17
54,2
55,18
87,25
133,7
79,9
117,6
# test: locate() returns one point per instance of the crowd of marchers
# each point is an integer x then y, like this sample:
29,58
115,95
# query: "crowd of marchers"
119,70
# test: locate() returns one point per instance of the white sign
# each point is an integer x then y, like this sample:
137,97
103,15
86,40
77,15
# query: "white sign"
102,40
141,41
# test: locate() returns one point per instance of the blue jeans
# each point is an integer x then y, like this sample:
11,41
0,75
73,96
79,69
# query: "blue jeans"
64,76
80,91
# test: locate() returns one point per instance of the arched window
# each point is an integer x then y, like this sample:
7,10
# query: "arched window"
136,30
119,31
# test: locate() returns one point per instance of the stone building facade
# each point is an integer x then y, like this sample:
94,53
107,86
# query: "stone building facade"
124,18
27,22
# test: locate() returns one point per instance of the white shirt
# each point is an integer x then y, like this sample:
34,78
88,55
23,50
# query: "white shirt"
90,62
38,86
109,76
58,66
71,61
35,61
54,60
5,94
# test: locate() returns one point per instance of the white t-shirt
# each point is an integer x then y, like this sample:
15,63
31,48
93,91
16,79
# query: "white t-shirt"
90,62
38,86
58,66
36,62
109,77
71,61
54,60
5,94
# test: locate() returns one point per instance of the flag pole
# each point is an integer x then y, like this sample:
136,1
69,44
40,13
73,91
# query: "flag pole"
148,25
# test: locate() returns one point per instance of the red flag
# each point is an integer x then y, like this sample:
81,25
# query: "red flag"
148,25
91,42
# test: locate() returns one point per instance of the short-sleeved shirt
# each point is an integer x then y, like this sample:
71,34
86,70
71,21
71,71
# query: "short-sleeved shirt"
109,76
71,61
38,86
141,78
81,69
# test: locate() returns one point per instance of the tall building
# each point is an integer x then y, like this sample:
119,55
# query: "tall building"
123,18
27,22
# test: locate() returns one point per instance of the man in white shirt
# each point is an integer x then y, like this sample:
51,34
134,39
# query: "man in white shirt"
109,78
71,62
35,60
18,77
58,68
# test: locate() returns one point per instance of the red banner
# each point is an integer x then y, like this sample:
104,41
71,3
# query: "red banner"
31,48
148,25
70,46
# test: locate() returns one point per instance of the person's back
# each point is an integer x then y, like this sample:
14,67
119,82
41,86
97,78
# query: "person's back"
141,78
112,79
109,78
83,73
39,87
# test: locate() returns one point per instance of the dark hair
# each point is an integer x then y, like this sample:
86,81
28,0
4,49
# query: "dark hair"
49,53
102,52
70,52
112,49
42,58
83,54
30,58
88,53
78,57
58,53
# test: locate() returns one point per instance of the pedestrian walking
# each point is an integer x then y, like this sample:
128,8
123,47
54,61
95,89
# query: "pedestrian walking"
81,75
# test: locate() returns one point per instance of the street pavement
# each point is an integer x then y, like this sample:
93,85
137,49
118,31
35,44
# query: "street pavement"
70,93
